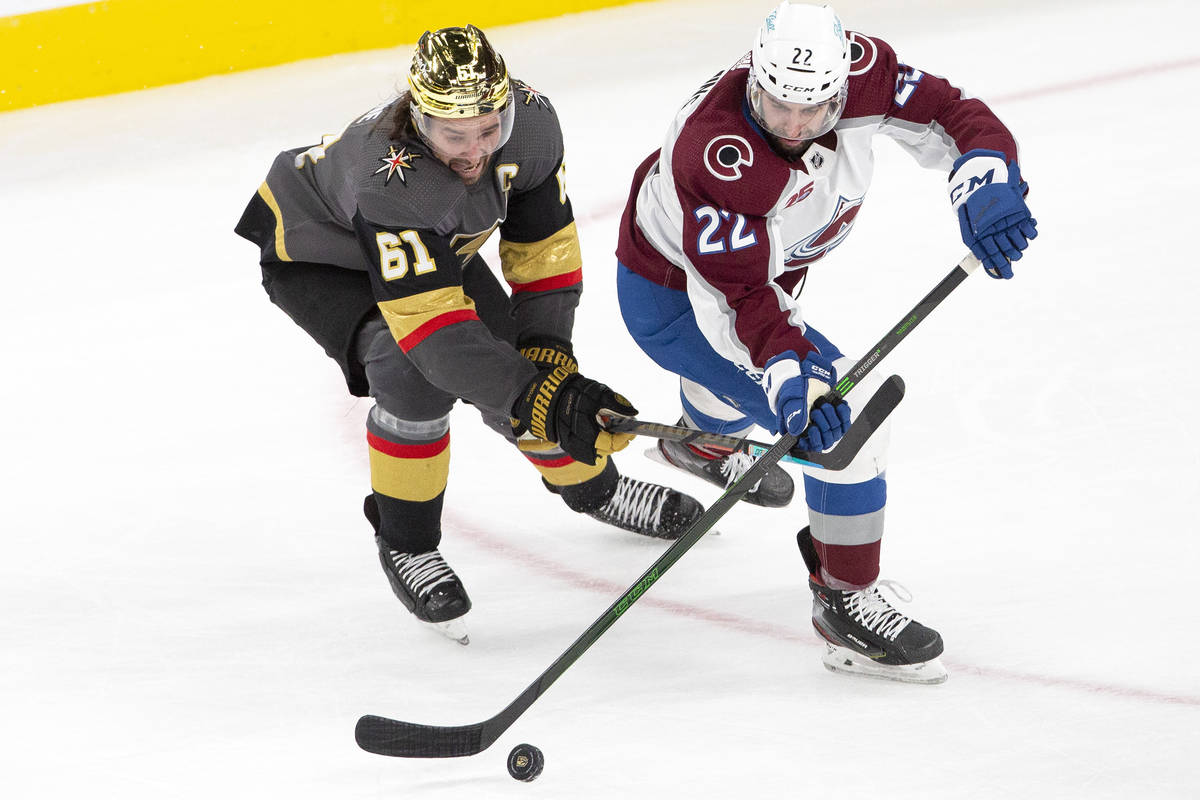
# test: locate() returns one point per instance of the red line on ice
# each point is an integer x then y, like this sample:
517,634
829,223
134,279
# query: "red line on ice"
581,580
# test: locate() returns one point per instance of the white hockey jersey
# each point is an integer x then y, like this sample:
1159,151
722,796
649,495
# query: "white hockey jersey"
718,213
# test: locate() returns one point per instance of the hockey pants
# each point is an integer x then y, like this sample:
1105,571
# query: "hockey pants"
845,508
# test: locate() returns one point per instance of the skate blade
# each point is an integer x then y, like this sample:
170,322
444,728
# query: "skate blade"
847,662
454,629
654,454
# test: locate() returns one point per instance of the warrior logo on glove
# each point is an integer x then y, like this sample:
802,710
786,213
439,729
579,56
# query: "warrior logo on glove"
545,390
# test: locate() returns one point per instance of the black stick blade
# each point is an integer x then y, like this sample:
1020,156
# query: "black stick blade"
390,737
863,427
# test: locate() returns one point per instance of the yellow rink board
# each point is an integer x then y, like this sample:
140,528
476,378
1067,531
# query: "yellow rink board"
121,45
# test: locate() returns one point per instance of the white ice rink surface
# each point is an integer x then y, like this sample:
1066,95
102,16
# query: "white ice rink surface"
190,603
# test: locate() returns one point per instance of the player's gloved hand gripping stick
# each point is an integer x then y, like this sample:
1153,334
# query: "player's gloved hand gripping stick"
391,737
836,459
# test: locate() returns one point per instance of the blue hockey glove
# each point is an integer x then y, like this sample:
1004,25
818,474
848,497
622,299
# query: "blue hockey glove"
792,386
989,197
828,422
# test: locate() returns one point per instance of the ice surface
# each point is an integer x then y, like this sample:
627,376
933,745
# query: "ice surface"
191,602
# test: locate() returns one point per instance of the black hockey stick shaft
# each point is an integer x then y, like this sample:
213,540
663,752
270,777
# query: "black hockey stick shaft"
921,310
678,433
848,381
391,737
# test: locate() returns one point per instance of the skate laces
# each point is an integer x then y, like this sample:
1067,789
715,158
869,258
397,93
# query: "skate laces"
735,465
422,572
637,503
871,609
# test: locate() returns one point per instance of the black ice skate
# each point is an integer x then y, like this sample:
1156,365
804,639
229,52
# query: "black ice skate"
865,635
649,509
774,490
428,587
424,582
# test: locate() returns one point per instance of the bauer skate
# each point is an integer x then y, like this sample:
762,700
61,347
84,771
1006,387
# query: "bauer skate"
648,509
773,491
865,635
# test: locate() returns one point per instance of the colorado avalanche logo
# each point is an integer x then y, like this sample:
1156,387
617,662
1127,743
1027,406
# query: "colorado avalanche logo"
828,237
862,54
725,155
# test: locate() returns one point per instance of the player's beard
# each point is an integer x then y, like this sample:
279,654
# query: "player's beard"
469,171
790,149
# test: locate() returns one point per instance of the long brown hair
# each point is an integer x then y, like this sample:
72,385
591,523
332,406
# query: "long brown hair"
402,125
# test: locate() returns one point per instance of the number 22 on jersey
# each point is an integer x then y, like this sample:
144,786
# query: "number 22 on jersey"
712,238
397,252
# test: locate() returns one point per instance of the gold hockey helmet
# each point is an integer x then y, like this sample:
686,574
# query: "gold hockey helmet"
455,73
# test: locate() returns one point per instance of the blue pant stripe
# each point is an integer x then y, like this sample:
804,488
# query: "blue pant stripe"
845,499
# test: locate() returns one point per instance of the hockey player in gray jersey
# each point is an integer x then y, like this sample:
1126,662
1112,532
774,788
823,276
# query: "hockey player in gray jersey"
369,242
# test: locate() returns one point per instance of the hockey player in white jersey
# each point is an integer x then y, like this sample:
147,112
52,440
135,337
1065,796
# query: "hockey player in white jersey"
760,175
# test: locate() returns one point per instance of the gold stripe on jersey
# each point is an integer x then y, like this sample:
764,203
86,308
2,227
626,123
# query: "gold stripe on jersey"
530,262
268,197
406,317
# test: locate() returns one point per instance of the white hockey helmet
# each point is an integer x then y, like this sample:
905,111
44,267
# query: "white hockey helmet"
800,57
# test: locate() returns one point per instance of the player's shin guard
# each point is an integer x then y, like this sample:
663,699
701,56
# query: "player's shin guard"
847,526
408,479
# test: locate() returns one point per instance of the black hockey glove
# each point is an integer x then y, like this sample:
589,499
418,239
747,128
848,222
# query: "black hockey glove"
561,406
547,352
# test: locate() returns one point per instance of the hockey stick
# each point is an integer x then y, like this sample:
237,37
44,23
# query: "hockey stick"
837,458
391,737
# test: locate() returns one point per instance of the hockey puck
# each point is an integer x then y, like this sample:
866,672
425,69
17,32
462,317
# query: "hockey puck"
525,762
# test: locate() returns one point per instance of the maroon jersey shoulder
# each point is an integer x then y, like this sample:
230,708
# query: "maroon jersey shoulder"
882,86
872,82
719,157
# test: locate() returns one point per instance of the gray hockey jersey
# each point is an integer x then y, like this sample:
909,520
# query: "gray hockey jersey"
363,200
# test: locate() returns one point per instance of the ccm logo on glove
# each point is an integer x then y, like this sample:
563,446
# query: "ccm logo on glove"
988,196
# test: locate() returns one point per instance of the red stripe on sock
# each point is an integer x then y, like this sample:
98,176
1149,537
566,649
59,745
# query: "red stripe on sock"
428,450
